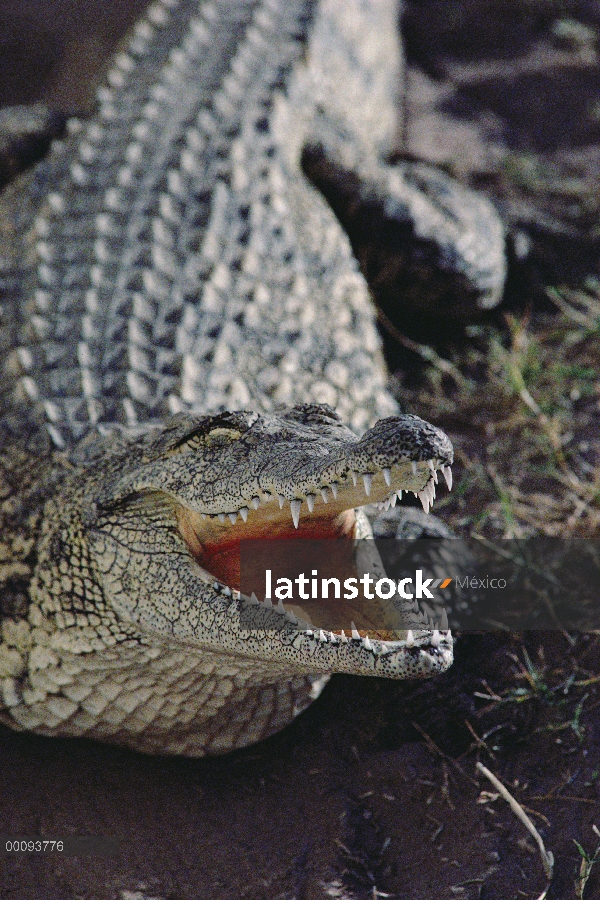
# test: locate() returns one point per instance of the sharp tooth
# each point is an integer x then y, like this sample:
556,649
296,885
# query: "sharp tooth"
217,587
255,502
324,495
334,489
322,637
435,638
410,639
281,499
221,517
444,621
310,501
267,603
447,473
253,600
353,477
424,498
435,476
368,480
280,607
343,637
387,476
393,499
414,467
399,495
295,507
227,591
367,643
355,634
431,465
232,517
291,617
244,513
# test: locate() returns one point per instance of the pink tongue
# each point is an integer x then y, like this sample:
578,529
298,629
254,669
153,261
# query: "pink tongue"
222,558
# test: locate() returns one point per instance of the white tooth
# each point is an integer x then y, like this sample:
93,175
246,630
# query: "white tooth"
353,477
368,480
424,498
291,617
203,515
280,607
414,467
355,634
281,499
295,507
447,473
410,639
435,638
324,495
393,499
221,517
253,600
227,591
255,502
322,637
244,513
232,517
310,501
431,465
343,637
334,489
267,603
367,644
444,621
430,490
435,476
387,476
399,495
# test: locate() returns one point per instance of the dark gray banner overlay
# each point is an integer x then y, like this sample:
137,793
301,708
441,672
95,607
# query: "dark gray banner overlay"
390,585
66,845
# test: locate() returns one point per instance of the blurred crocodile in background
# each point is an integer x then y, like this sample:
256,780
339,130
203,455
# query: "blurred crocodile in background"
164,267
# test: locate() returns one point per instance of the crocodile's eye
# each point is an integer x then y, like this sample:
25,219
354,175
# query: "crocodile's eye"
215,437
221,436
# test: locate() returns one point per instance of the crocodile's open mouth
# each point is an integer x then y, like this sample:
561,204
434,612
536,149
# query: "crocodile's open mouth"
325,513
207,484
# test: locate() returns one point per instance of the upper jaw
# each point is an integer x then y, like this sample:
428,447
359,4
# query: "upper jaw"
313,474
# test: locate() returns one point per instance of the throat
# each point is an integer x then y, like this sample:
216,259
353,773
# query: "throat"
216,546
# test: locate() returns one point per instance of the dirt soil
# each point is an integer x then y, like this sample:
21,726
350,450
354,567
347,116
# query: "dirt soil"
374,791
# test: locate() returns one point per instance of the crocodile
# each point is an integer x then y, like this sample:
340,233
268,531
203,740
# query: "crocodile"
181,313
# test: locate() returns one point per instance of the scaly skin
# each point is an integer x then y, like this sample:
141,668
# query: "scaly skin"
168,263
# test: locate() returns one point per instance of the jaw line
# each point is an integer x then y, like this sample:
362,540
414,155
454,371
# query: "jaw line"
212,537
